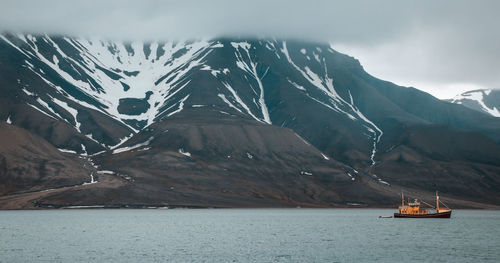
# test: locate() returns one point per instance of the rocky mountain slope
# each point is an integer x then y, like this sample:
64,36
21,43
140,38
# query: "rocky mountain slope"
241,122
29,163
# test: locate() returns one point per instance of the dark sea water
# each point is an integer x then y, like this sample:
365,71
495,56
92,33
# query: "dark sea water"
246,235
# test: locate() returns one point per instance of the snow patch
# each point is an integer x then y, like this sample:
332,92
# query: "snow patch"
350,176
478,97
66,151
228,102
122,141
105,172
92,181
181,106
46,106
296,85
84,150
94,140
383,182
28,93
70,110
218,45
125,149
181,151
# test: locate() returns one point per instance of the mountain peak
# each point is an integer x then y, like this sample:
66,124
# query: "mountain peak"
483,100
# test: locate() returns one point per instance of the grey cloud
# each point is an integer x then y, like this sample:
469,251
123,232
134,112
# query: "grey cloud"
457,40
319,20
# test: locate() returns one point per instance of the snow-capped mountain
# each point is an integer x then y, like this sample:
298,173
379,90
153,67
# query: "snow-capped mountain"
485,100
137,84
293,123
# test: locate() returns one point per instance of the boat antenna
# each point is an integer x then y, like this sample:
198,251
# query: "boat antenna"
437,202
427,204
444,204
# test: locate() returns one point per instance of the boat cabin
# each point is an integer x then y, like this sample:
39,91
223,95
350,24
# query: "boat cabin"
413,208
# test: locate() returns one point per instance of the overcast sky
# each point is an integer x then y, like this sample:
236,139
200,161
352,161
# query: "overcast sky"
441,47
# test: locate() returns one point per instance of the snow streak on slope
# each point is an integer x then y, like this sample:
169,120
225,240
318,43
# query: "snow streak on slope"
244,61
125,149
324,83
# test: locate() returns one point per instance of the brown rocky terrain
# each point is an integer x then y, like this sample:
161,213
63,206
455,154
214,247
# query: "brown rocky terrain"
29,163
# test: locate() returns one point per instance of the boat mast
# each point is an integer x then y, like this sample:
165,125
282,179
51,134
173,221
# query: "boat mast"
437,202
402,199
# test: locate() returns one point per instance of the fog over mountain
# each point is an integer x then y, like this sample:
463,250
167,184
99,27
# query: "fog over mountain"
442,47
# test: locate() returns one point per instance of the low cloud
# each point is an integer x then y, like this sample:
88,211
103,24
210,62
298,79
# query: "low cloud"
426,41
318,20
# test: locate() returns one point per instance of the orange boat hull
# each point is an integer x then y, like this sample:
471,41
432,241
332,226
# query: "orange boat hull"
446,214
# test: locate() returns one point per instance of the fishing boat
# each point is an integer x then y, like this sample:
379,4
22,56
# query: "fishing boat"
413,209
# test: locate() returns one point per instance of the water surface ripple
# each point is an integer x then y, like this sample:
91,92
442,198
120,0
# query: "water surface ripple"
246,235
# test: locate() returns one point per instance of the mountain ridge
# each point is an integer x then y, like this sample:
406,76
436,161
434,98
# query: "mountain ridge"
101,98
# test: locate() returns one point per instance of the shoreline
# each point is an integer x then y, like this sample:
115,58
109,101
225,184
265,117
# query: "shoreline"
34,200
183,207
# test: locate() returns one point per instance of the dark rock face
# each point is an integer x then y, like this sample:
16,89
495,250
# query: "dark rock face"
231,161
241,123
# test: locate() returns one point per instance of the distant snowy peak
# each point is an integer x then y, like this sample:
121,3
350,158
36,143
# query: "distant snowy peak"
485,100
